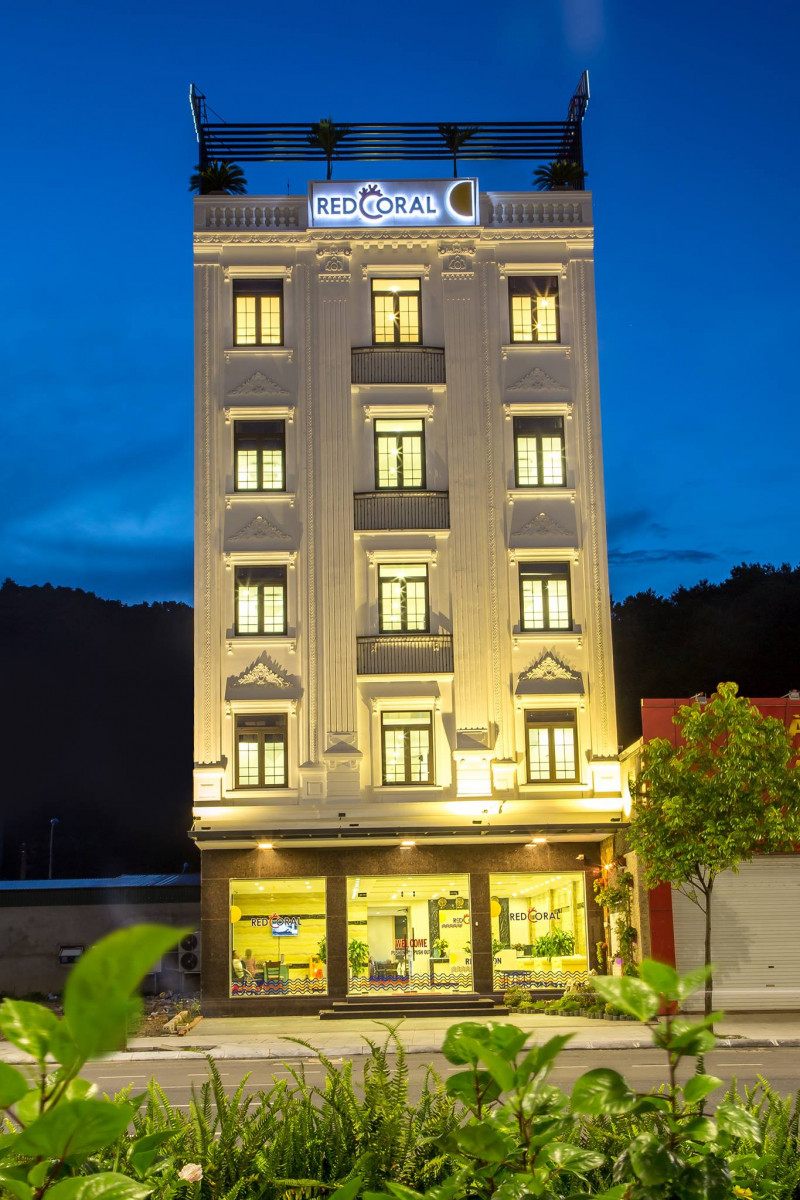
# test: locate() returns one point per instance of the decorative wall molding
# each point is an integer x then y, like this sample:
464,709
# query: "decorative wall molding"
259,384
260,527
543,525
262,673
537,380
549,667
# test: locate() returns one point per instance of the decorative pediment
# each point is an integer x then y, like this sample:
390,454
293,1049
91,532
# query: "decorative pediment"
537,380
550,674
543,525
262,673
259,527
259,384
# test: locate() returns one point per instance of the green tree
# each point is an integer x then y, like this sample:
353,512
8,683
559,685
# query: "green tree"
223,176
725,792
325,136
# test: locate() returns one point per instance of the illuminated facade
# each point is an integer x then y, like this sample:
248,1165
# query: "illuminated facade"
406,748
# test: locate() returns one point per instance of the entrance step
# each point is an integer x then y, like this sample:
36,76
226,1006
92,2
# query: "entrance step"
381,1007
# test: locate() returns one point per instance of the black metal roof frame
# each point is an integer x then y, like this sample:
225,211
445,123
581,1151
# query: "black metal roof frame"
394,141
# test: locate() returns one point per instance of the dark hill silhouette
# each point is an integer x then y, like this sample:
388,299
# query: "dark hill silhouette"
97,704
97,701
746,629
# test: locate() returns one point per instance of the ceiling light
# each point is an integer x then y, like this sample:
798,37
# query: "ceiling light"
265,845
408,843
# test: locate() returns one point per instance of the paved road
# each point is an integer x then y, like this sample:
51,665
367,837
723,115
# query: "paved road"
643,1069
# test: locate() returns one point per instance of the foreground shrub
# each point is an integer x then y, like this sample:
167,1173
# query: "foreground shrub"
498,1128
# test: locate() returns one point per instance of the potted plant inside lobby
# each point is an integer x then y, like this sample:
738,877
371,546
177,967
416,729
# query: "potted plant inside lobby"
441,947
358,956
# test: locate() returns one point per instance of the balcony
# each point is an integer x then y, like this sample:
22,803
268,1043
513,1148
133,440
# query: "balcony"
398,364
405,654
402,510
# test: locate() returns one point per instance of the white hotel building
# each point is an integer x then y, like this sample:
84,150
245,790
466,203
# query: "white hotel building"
405,742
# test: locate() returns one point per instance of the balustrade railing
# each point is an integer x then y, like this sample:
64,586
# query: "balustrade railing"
402,510
405,654
398,364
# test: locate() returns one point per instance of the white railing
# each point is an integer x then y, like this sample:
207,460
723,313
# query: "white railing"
256,213
523,208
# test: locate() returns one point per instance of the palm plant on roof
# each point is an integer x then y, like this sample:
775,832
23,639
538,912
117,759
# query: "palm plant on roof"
222,177
325,135
454,137
562,173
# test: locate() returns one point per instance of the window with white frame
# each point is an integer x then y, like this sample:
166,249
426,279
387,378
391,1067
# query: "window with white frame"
260,456
407,747
258,312
403,597
539,457
261,750
260,600
552,746
533,302
544,596
399,454
396,316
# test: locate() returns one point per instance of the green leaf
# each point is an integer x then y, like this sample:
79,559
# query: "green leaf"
13,1085
107,1185
572,1158
463,1084
484,1141
700,1129
602,1092
692,981
660,976
13,1181
502,1072
650,1160
28,1026
143,1151
347,1191
686,1037
458,1046
633,996
98,999
738,1122
539,1057
700,1086
507,1040
74,1128
29,1106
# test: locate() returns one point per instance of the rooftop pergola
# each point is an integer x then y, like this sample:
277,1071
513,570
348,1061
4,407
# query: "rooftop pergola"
415,141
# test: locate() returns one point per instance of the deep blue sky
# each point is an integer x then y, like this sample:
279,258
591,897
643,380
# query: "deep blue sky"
691,149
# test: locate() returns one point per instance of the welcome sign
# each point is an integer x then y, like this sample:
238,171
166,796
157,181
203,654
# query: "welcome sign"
401,202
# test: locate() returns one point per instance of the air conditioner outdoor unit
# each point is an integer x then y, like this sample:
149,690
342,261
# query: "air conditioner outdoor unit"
190,953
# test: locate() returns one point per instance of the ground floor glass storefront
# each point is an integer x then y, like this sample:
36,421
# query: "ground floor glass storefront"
278,942
408,933
538,929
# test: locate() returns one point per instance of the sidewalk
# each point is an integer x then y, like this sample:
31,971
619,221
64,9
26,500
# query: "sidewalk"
268,1037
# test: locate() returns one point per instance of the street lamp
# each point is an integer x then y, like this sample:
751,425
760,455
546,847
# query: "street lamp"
53,823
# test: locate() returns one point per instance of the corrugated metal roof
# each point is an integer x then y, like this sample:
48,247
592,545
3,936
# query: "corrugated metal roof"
116,881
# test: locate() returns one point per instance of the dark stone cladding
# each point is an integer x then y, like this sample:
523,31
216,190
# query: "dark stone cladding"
335,864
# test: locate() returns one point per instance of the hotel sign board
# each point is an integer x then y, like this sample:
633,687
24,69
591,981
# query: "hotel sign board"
402,202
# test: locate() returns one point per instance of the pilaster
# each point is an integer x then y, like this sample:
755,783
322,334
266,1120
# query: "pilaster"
335,554
469,486
595,554
207,599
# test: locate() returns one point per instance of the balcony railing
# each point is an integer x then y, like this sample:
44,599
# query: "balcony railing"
402,510
398,364
405,654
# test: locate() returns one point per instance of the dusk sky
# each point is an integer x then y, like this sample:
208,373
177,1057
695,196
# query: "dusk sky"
691,152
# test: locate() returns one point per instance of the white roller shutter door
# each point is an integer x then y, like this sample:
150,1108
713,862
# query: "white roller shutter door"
755,935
